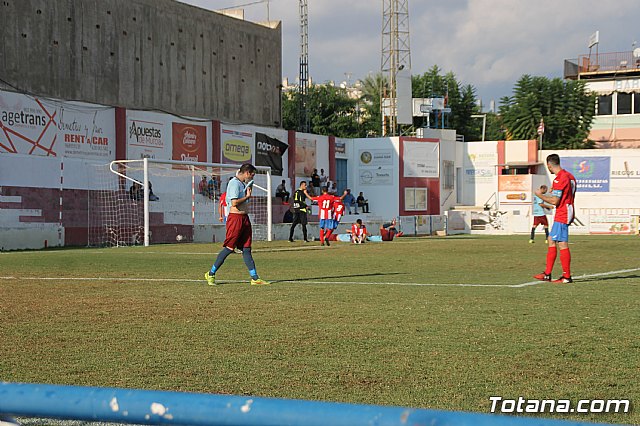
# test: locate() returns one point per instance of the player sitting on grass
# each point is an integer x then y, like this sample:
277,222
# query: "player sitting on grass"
358,232
388,230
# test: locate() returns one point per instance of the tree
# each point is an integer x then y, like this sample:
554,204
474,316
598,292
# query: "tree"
565,106
370,103
331,111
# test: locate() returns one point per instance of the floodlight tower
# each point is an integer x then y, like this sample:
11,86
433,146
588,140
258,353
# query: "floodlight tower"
396,56
303,80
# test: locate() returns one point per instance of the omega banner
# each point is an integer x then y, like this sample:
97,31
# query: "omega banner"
269,152
236,146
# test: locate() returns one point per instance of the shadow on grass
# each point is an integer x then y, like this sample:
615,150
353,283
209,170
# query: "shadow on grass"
327,277
616,277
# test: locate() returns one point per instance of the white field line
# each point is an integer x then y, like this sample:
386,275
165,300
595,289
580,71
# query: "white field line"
600,274
302,281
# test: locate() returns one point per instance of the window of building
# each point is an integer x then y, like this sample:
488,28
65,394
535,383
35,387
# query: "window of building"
624,103
636,103
415,199
449,175
604,105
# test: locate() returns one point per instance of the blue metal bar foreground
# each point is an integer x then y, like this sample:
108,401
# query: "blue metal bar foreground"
178,408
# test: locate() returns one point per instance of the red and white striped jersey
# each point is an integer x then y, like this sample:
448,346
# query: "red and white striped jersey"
325,204
338,209
358,231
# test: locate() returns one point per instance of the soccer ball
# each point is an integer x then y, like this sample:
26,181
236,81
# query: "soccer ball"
179,237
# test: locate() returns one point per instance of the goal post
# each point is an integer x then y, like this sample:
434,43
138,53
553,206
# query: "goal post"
150,201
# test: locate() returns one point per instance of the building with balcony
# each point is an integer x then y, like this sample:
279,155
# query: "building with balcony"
615,79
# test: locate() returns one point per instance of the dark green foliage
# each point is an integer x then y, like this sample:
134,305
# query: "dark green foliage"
566,107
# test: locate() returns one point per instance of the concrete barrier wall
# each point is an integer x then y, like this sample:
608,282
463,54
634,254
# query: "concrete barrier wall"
146,54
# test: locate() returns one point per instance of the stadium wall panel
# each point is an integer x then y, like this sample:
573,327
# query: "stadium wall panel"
145,54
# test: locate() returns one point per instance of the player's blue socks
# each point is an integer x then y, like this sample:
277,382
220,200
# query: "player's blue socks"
220,259
248,260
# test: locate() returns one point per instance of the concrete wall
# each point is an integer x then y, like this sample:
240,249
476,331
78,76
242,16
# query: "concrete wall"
145,54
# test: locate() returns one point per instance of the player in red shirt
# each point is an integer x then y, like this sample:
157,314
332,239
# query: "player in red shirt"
338,212
562,196
325,203
358,232
222,207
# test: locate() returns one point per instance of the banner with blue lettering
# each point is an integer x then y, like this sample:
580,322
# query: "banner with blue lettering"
592,173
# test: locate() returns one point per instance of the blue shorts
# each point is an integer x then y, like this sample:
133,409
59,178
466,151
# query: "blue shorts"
326,223
559,232
334,224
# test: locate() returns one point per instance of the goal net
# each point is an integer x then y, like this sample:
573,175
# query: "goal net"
151,201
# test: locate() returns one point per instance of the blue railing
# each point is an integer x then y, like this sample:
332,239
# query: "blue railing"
178,408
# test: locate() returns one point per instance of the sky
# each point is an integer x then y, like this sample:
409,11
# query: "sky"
488,44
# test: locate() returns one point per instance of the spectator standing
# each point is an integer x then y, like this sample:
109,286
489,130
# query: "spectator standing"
324,180
315,181
363,203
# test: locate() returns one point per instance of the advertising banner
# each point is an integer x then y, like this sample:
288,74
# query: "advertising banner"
269,152
376,157
237,146
305,156
480,163
147,136
515,189
421,159
189,142
592,173
610,224
376,176
51,128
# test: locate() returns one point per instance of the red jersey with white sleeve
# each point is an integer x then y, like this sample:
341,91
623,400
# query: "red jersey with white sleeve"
357,231
338,209
325,204
564,187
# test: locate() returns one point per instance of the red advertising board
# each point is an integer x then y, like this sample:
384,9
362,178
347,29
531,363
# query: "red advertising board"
189,142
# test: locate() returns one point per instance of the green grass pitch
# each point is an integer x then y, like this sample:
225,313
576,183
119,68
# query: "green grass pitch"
441,323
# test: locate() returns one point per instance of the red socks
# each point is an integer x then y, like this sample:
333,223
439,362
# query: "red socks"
565,261
322,235
551,259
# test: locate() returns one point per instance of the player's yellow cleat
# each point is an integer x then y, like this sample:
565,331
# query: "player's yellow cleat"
259,281
211,279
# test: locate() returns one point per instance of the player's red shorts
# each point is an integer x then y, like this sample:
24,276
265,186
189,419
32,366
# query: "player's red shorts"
238,231
540,220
